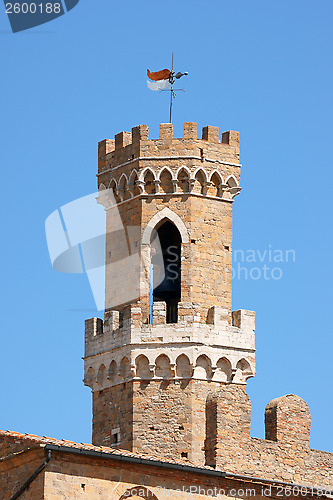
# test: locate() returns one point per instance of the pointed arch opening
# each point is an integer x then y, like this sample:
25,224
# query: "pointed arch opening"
149,181
215,186
143,369
183,178
115,191
199,182
183,367
122,187
162,366
132,184
166,185
101,375
125,369
166,267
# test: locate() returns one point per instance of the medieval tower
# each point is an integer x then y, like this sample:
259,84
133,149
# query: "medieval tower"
168,364
169,339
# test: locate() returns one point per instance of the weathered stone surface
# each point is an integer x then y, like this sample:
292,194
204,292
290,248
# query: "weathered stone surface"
179,389
168,397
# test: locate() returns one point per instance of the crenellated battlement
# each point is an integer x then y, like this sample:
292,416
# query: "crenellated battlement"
132,164
214,351
130,146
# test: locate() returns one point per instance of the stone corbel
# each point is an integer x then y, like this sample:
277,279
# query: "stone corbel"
173,369
205,187
233,373
157,184
131,189
152,369
103,199
141,186
89,382
174,185
225,191
127,188
133,371
234,191
117,193
220,189
191,183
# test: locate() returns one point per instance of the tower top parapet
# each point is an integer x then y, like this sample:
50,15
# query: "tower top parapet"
130,147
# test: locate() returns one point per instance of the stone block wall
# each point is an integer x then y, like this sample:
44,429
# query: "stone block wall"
165,418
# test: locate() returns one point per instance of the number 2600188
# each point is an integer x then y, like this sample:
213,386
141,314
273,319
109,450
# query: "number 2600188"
33,8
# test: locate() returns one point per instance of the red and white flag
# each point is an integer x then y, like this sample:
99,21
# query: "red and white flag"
158,80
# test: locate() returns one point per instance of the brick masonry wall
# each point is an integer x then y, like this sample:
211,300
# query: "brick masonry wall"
211,423
15,471
75,476
284,455
13,444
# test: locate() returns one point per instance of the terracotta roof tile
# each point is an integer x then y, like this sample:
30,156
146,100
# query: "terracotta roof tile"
43,441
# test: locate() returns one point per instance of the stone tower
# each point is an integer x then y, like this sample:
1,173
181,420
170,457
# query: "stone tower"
153,366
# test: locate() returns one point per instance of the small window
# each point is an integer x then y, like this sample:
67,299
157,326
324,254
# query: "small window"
115,437
121,319
184,454
202,154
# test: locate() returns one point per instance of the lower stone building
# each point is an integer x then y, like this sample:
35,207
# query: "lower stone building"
169,363
34,468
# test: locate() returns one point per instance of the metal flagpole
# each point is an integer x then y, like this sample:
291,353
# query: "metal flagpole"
171,90
172,78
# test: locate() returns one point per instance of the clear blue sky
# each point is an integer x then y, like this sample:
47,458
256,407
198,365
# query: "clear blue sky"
261,67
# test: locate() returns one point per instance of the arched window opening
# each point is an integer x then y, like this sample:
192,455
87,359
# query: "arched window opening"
149,182
167,244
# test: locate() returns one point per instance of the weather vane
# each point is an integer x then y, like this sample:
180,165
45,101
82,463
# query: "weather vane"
163,81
